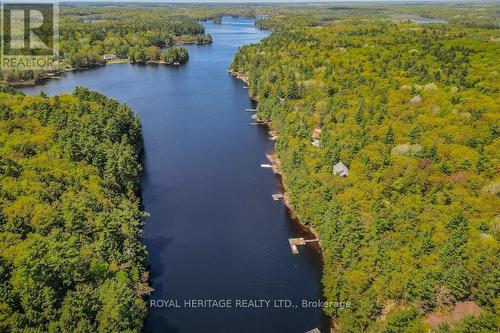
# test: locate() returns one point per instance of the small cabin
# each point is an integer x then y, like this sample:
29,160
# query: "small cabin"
340,169
109,57
315,137
316,133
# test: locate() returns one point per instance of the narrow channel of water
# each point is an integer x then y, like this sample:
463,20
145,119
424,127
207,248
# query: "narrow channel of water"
214,232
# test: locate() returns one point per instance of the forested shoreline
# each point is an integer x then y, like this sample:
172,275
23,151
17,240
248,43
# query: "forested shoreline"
412,111
98,36
72,257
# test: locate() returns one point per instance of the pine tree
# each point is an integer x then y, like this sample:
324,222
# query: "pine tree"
389,136
292,89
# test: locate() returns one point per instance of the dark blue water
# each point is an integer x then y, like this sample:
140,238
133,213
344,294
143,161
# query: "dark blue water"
214,231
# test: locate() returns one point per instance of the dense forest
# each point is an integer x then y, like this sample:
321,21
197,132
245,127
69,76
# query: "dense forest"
138,35
413,111
135,34
72,258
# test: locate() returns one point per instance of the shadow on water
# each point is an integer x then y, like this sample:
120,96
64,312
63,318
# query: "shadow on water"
156,248
162,322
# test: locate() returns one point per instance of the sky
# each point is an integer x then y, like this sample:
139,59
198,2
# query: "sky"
241,1
248,1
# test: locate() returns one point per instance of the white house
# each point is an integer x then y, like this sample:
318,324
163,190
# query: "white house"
316,143
340,169
108,57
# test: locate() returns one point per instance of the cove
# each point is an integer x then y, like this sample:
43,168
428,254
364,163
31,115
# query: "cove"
214,232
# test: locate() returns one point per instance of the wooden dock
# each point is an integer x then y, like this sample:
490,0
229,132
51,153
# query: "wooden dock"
251,110
315,330
264,165
294,242
277,196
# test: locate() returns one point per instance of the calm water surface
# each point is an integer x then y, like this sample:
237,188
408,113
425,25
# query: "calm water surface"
214,230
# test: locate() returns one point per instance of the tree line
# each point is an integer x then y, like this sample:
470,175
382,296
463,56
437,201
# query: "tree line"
413,111
139,35
72,257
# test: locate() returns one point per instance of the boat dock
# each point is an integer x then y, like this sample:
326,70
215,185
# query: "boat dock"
314,331
264,165
277,196
294,242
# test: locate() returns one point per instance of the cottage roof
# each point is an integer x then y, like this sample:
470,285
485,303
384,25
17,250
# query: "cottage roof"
316,133
340,169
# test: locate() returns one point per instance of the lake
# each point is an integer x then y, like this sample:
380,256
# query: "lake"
215,232
418,19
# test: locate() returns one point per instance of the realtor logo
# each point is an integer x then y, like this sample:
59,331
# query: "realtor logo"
30,35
